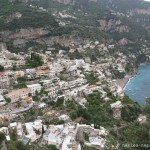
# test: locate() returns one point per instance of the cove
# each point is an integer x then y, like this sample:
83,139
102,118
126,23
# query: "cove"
138,87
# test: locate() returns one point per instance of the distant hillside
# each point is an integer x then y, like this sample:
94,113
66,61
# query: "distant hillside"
111,16
27,23
18,15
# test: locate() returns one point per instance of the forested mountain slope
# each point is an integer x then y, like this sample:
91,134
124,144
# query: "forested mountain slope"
43,22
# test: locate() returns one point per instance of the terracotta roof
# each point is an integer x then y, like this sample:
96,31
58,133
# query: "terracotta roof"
28,99
19,92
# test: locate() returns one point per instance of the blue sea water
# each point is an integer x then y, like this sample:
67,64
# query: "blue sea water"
138,88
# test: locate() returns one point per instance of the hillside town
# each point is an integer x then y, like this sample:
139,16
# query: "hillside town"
63,136
60,79
68,71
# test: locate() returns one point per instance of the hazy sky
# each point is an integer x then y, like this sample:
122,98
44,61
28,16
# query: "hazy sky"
147,0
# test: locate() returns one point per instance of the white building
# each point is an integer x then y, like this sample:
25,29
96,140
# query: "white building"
116,107
42,105
64,117
2,100
142,119
34,88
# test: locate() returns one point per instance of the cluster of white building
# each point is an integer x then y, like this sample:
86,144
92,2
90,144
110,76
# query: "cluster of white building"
30,131
64,137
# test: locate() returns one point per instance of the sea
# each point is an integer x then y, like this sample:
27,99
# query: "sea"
138,87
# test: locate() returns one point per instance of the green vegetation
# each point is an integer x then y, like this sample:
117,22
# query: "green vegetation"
8,100
35,46
75,55
36,98
142,58
48,4
130,112
1,68
55,121
20,146
30,17
118,74
91,78
146,109
97,111
19,86
14,67
21,83
35,61
129,67
134,134
52,147
2,138
21,79
86,137
89,148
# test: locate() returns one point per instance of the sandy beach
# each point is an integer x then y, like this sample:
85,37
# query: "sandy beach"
122,82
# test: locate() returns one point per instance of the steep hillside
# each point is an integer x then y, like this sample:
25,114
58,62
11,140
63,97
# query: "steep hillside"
23,25
116,18
15,16
42,23
19,23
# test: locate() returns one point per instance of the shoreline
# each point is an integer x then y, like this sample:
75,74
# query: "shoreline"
124,82
129,79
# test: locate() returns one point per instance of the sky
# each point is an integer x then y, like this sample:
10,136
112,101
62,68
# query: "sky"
147,0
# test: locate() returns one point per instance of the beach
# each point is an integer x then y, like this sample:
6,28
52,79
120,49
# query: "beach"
122,82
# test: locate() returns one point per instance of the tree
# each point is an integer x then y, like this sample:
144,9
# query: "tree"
21,79
86,137
146,108
75,55
60,101
92,78
118,74
130,113
20,86
43,131
1,68
52,147
37,132
30,94
2,137
35,98
36,93
141,58
89,148
73,114
14,68
129,67
8,100
20,146
35,61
